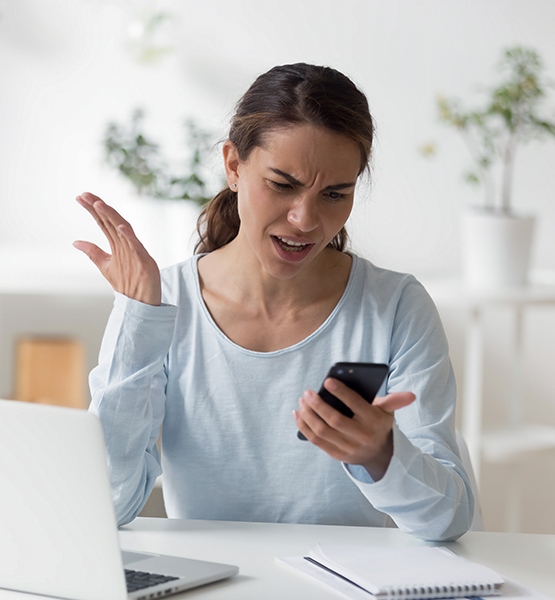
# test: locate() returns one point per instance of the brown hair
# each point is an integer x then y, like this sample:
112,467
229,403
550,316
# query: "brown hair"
284,96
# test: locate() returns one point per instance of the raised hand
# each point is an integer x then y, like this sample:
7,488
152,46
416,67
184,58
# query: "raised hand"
130,269
365,440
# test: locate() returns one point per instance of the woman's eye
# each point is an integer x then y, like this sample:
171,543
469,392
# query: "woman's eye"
279,186
335,195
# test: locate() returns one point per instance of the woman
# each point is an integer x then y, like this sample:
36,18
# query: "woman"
219,348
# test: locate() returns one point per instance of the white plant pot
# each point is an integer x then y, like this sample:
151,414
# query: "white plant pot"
496,249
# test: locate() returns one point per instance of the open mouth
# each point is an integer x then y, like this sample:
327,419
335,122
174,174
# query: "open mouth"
289,246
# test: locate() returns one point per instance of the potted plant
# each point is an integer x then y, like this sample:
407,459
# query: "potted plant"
497,239
140,160
166,207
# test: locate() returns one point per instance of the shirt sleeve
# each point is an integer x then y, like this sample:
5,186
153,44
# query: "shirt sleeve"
128,395
425,489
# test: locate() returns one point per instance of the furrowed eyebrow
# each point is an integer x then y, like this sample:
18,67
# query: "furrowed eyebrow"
289,178
340,186
293,181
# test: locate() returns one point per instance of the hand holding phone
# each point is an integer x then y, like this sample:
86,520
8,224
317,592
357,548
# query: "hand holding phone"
363,378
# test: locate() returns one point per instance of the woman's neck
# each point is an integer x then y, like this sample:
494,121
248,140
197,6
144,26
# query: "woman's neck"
248,282
262,313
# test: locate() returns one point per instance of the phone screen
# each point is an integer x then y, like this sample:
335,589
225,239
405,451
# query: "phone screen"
364,378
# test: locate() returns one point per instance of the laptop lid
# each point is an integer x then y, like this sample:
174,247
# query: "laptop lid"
58,531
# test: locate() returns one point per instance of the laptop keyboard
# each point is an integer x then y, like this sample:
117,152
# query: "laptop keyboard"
138,580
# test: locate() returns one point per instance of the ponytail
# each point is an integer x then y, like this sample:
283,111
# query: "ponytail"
218,223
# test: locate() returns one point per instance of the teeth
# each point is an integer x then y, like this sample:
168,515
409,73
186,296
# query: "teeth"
289,242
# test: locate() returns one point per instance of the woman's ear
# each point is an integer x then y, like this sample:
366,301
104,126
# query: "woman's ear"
231,162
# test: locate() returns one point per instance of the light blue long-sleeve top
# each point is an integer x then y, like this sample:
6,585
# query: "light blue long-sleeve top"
229,444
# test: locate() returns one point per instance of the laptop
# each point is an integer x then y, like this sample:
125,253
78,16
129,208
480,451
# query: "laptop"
58,531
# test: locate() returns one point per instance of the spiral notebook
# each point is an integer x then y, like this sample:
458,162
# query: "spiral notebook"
408,573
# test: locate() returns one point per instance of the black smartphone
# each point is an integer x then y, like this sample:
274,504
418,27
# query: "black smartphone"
364,378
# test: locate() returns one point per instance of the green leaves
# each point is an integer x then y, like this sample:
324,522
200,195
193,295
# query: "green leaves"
140,160
516,99
510,116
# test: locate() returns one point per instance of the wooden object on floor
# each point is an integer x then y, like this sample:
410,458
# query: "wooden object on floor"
51,371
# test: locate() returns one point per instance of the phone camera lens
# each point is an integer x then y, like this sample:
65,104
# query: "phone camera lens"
340,372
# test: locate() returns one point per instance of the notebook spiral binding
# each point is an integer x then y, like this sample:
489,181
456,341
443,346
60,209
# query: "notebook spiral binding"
443,591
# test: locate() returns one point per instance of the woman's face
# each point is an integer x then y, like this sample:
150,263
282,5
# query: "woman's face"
294,195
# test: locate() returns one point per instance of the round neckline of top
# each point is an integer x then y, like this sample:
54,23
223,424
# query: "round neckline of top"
294,347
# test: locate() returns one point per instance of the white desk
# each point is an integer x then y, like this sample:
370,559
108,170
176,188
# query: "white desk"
526,558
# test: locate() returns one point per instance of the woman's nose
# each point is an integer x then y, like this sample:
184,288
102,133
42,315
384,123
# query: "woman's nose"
303,214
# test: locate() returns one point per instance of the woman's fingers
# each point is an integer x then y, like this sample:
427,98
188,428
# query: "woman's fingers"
109,215
356,403
89,198
127,236
324,420
98,256
107,218
365,439
87,202
130,269
394,401
319,416
348,396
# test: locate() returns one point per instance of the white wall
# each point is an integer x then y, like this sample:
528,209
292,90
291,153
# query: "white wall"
65,71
